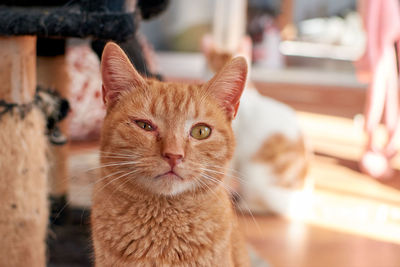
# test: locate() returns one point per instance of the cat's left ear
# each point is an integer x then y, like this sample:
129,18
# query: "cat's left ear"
228,84
118,74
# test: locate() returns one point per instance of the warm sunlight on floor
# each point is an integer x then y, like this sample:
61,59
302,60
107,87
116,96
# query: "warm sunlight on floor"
286,243
343,198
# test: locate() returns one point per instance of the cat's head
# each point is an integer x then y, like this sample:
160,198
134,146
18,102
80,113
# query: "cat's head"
166,137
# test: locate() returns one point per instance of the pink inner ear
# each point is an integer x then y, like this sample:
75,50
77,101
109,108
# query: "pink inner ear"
109,96
118,74
236,109
227,86
103,92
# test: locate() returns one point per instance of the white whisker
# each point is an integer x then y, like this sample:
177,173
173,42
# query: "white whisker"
230,189
115,179
84,188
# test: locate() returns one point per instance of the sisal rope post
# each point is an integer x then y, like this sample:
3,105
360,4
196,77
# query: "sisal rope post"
23,164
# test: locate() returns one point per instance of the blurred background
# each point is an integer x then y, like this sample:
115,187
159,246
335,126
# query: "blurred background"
303,54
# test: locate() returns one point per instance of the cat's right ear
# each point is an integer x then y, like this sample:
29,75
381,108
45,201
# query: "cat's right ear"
118,74
228,84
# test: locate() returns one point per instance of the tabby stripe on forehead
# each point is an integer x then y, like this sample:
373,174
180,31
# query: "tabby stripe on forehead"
185,104
165,102
193,90
209,113
179,99
153,107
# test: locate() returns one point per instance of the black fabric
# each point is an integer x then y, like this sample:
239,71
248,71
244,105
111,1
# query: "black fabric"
68,21
133,49
93,5
151,8
59,210
102,5
34,2
271,7
13,108
49,47
69,243
55,109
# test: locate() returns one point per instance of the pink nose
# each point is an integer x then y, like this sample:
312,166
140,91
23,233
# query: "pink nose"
172,159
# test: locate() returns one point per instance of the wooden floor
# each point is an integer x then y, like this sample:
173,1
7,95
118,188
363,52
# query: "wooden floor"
285,243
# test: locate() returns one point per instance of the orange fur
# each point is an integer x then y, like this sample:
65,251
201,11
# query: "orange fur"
282,153
142,215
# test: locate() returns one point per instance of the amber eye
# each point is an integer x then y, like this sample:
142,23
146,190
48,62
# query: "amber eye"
145,125
200,131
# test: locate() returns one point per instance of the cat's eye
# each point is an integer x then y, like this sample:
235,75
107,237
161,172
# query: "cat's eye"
144,125
200,131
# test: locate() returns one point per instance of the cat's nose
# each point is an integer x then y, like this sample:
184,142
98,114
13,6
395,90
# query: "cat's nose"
173,159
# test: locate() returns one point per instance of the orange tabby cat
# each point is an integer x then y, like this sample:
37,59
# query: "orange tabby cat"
160,201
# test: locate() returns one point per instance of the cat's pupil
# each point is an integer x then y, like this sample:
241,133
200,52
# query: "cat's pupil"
200,132
145,126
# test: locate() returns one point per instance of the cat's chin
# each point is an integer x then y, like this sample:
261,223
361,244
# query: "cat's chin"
169,184
169,176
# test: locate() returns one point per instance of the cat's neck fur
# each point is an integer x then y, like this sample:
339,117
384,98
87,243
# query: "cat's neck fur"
165,229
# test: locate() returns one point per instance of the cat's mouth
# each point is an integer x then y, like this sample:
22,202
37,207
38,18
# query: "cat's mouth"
169,175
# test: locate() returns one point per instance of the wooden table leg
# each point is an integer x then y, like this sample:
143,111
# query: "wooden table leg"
52,74
23,164
285,20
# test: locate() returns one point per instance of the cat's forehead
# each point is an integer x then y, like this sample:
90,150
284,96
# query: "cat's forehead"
176,100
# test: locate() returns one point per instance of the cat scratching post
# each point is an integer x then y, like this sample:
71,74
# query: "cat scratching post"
52,74
23,167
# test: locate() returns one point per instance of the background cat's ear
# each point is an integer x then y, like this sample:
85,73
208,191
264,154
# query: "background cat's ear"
228,84
118,74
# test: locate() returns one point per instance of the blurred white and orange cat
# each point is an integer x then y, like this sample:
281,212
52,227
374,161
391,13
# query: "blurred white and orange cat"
271,159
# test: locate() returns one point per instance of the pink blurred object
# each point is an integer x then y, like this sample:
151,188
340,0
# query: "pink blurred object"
378,67
85,99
